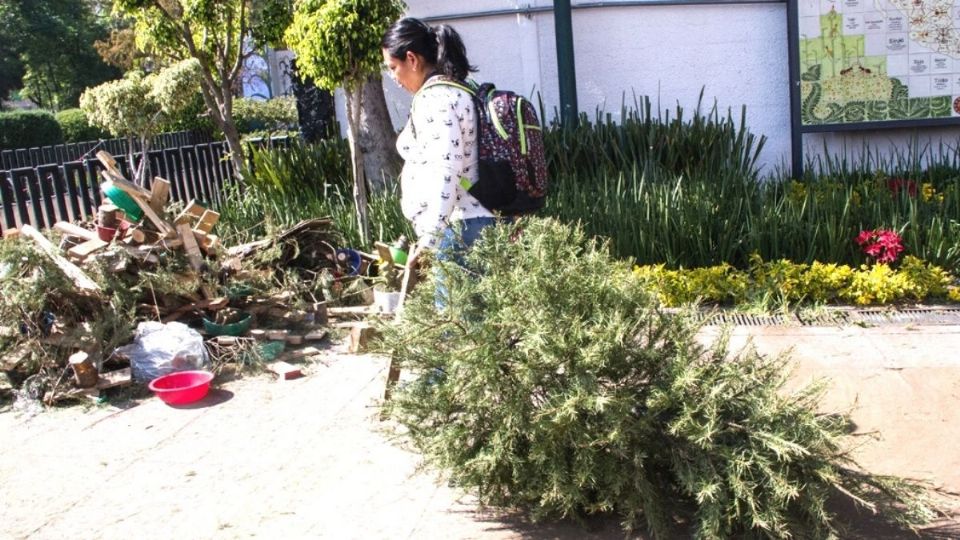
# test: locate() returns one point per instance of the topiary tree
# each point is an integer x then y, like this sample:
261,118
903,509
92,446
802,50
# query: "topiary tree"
553,382
136,106
213,32
337,43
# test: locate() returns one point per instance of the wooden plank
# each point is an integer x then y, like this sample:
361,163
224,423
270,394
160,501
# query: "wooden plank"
190,245
159,194
81,280
82,251
165,228
70,229
284,370
107,160
110,379
10,234
213,305
383,251
193,210
207,221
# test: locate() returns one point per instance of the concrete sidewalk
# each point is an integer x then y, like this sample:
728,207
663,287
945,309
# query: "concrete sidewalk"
308,458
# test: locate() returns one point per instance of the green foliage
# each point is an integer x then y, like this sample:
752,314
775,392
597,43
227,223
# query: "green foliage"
28,129
53,42
684,190
551,381
253,115
192,117
286,185
76,128
136,105
787,283
337,42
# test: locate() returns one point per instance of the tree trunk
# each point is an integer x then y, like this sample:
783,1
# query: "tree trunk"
316,112
377,138
359,180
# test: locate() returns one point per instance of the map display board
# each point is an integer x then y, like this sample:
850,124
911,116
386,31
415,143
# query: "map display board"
865,61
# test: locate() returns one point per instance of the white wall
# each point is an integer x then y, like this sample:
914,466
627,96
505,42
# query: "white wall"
736,53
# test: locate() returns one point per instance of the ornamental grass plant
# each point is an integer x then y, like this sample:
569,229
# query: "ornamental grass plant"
551,381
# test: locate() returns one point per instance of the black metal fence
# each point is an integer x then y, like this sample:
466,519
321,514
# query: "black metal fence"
43,195
63,153
70,191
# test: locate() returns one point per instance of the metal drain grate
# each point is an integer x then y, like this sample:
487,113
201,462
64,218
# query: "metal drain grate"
746,319
837,317
825,318
937,316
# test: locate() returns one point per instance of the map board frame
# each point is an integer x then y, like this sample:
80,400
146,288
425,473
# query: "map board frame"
798,128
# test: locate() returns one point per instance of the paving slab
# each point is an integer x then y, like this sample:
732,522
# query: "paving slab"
309,458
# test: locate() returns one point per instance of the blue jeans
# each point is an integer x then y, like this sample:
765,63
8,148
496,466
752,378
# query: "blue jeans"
454,242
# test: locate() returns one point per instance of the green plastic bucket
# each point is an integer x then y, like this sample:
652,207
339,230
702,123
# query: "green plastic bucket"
122,201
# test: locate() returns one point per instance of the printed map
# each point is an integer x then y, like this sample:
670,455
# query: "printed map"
878,60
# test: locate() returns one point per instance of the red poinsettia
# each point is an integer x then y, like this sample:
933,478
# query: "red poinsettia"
883,245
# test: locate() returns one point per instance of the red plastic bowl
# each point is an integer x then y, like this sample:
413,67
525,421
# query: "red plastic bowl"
182,386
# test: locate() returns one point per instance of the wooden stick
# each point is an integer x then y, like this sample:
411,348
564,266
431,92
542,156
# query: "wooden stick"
190,245
70,229
81,280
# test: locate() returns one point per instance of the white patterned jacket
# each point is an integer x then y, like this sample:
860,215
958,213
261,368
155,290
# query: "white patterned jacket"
439,147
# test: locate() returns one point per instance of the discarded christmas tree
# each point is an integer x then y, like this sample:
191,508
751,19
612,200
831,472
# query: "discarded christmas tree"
554,383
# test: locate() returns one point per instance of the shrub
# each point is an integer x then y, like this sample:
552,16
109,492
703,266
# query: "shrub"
277,114
76,128
28,129
553,382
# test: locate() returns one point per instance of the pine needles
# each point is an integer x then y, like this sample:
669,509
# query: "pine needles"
553,383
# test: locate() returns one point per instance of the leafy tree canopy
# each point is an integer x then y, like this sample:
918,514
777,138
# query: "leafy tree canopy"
53,42
338,41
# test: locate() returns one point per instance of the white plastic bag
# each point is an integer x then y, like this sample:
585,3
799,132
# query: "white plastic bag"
159,349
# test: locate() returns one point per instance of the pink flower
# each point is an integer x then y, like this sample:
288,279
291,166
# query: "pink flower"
883,245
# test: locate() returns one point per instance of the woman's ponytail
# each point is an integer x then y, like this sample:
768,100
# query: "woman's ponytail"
440,45
451,53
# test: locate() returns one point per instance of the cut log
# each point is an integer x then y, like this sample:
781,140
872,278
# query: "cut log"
82,251
207,221
190,245
84,372
69,229
159,194
294,340
108,215
80,280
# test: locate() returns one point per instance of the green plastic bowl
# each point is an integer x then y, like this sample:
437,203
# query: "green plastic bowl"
229,329
122,201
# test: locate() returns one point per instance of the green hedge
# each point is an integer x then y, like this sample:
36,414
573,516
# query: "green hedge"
28,129
277,114
76,128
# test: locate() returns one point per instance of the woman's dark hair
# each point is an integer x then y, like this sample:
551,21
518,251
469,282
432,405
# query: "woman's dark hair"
439,45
